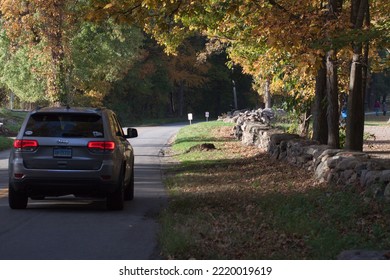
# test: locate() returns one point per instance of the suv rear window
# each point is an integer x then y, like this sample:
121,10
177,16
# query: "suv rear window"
64,125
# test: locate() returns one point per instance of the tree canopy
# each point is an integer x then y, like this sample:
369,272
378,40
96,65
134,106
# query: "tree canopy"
50,52
283,41
312,50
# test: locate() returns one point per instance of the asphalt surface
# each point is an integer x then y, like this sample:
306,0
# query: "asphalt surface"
3,173
69,229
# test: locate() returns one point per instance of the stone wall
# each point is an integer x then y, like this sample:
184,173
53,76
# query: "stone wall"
335,166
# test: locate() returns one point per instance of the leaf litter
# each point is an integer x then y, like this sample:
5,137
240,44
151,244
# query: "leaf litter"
248,206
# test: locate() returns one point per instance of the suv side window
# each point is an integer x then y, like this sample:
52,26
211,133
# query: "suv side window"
120,126
116,128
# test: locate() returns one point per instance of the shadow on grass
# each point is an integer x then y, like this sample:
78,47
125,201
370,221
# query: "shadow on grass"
256,208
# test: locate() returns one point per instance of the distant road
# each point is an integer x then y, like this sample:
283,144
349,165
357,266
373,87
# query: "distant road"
82,229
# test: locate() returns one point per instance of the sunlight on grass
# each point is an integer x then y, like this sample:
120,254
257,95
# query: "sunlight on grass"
192,135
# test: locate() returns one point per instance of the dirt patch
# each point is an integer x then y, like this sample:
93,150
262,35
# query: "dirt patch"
224,132
202,147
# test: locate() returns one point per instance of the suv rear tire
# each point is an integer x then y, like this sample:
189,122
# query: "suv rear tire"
16,200
129,190
115,200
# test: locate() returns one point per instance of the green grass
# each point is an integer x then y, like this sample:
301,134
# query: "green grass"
197,134
236,203
12,120
15,115
5,143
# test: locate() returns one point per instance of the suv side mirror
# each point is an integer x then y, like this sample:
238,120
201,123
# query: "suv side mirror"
131,133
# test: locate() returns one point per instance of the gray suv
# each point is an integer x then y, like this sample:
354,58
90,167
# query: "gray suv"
71,151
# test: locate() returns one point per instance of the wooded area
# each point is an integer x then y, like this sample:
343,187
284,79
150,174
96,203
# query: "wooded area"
321,55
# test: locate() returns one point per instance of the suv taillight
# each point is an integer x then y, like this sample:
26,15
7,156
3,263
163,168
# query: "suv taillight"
26,145
101,145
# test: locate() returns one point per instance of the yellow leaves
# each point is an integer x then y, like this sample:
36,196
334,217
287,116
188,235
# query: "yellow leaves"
90,98
277,86
108,6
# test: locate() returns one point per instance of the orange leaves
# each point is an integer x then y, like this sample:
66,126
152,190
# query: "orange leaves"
33,21
147,69
247,206
184,67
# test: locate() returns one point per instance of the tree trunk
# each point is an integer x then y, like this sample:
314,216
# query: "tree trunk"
332,98
267,93
355,119
365,74
332,92
54,33
366,71
304,126
320,125
181,99
172,103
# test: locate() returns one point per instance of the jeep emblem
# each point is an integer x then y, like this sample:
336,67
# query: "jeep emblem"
61,141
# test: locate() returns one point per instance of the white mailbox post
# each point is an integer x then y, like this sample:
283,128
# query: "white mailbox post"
190,117
207,115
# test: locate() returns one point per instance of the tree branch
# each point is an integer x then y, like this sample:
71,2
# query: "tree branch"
132,9
363,8
283,9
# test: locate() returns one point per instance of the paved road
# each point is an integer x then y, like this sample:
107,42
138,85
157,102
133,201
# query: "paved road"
3,172
81,229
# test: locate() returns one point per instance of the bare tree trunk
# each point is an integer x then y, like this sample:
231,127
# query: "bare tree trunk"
332,94
304,126
172,101
181,99
366,71
267,93
355,120
320,125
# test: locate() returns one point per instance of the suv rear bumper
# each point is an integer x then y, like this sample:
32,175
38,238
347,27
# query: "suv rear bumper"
56,182
63,186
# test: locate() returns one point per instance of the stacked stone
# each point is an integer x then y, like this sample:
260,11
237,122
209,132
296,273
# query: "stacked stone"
335,166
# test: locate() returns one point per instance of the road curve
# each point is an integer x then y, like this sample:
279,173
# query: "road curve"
69,229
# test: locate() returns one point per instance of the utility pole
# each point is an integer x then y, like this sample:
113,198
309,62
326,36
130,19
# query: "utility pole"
11,101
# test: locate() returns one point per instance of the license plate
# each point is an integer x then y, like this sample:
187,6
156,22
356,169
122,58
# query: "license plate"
62,152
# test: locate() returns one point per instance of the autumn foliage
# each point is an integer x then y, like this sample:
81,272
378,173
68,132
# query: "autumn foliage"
301,48
51,53
282,44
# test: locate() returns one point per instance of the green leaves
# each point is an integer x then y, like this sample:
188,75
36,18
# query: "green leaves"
49,52
20,71
102,54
